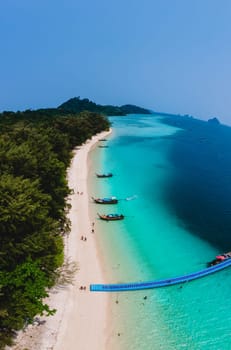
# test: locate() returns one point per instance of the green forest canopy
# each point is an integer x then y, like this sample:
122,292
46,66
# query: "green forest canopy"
35,151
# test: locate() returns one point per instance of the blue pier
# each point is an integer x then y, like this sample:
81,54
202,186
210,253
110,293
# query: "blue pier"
159,283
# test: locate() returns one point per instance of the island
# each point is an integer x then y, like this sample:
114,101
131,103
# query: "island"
214,121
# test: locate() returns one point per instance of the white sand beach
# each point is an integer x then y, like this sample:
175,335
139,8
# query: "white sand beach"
81,317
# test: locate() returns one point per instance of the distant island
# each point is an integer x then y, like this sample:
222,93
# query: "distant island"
214,121
77,105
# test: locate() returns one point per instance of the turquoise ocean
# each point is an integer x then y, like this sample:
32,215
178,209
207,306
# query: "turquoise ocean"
172,178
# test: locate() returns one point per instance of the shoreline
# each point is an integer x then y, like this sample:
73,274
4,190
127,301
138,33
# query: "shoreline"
81,317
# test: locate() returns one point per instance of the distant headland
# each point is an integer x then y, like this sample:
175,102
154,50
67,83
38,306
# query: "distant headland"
76,105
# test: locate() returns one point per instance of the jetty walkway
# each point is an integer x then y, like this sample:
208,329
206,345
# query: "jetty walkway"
159,283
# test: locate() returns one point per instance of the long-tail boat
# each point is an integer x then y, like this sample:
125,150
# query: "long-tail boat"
109,200
104,175
219,259
103,146
111,217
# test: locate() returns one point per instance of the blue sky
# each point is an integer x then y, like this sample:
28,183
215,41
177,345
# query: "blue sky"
166,55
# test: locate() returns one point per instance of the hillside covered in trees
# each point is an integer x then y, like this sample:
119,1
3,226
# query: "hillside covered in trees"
76,105
35,151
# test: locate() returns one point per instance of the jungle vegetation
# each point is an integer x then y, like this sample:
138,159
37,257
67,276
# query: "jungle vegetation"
35,151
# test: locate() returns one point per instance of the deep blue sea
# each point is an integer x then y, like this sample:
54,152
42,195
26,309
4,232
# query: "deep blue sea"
176,173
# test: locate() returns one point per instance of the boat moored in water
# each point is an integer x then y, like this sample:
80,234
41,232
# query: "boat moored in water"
219,259
111,217
103,146
104,175
109,200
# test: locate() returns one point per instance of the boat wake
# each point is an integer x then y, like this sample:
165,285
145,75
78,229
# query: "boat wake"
131,198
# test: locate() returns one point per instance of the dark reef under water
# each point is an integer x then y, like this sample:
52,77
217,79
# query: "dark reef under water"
199,193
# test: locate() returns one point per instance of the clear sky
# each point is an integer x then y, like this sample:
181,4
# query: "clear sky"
166,55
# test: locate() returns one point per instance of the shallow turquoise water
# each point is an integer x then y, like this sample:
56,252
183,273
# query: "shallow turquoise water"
153,243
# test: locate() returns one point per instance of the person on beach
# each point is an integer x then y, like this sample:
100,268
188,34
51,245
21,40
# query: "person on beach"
82,287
